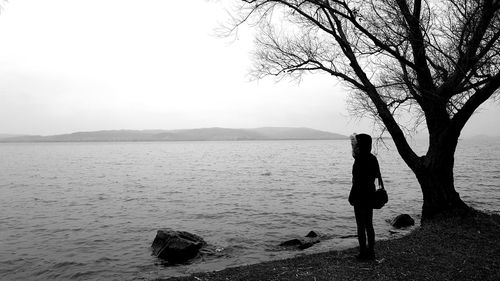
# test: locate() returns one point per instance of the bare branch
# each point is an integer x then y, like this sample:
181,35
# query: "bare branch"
428,62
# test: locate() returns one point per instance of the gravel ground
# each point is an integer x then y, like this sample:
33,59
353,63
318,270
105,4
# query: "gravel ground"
466,248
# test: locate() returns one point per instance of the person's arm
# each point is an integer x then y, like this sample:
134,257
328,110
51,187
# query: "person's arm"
379,176
380,182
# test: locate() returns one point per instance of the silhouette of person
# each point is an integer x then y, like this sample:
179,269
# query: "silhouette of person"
364,172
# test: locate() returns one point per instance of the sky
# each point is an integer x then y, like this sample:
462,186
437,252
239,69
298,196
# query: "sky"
75,65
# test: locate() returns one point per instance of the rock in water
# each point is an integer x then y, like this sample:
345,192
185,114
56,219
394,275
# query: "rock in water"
306,245
293,242
312,234
402,220
176,246
302,243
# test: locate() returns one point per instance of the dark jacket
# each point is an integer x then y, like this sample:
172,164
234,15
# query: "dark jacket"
364,172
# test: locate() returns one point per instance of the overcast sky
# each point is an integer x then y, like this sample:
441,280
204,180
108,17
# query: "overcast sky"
75,65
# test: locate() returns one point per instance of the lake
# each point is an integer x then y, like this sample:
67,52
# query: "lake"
90,211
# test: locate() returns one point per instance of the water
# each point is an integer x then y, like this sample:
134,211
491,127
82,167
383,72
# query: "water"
90,211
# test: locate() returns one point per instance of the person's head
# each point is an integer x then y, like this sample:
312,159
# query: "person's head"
364,143
361,144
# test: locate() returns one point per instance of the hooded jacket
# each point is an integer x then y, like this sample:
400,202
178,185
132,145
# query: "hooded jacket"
364,172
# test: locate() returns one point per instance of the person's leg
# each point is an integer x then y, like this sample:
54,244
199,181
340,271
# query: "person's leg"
370,232
360,224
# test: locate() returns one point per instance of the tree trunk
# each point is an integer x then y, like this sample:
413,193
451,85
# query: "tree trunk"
439,193
435,175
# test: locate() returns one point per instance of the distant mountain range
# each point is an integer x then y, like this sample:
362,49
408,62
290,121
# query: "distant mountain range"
484,137
3,136
204,134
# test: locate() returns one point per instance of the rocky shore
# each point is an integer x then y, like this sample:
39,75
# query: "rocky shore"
466,248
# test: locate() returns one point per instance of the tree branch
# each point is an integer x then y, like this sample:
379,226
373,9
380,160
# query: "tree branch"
384,113
351,17
470,57
416,38
481,95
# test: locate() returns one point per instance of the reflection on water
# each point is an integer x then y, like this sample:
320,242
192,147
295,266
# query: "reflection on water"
89,211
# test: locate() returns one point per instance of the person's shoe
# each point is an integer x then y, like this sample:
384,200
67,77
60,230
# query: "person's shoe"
366,256
370,255
361,256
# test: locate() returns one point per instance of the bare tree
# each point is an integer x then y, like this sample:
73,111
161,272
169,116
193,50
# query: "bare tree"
435,61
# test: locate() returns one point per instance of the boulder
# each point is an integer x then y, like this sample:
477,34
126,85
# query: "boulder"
312,234
176,246
292,242
403,220
307,244
302,243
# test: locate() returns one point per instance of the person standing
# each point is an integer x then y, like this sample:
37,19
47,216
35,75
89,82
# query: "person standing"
364,172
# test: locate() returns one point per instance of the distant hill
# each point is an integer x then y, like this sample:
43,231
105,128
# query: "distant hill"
204,134
3,136
296,133
484,138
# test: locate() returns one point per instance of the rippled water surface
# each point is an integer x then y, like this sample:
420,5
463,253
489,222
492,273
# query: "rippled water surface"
89,211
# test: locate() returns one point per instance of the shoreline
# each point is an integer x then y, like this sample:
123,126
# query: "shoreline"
448,249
